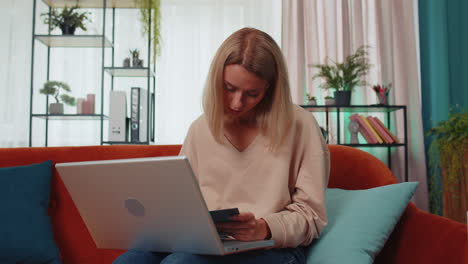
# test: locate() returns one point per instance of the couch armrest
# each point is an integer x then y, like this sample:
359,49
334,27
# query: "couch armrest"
420,237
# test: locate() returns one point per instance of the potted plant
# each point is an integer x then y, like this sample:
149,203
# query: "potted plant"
312,100
448,153
67,20
53,88
329,100
151,8
345,76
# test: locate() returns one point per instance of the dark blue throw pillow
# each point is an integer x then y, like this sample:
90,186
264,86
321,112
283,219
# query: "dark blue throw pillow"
25,229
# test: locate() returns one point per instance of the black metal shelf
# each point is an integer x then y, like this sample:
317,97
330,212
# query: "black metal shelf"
71,117
107,47
385,109
74,41
125,143
353,108
375,145
129,72
91,3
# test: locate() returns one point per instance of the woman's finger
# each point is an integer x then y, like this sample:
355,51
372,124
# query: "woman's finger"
243,217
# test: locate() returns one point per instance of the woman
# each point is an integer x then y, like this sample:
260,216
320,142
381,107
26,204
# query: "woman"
255,150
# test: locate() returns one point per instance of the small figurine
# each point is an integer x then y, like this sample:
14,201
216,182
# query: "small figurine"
353,127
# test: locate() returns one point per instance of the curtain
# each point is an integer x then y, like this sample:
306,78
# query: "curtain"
191,33
444,63
15,53
334,29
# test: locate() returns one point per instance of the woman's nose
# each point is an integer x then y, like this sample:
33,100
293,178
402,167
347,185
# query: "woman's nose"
236,103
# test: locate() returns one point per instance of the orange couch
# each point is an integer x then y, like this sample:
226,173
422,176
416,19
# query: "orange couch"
419,237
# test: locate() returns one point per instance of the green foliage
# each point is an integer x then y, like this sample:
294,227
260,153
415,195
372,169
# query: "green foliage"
135,53
151,8
68,17
347,75
310,97
449,142
53,88
329,97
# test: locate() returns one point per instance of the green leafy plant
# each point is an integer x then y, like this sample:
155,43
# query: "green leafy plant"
151,8
68,17
347,75
53,88
329,97
135,53
311,98
449,143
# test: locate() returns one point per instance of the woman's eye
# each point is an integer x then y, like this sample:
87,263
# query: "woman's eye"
252,95
230,89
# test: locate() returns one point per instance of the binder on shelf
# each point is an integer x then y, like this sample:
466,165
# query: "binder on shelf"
371,129
386,138
138,115
387,130
152,117
118,125
363,129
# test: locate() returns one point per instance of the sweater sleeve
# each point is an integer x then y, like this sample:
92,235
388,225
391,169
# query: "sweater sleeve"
304,218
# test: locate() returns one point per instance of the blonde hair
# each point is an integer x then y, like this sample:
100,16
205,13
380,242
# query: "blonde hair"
258,53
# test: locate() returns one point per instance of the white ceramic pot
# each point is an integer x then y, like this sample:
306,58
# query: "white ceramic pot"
56,109
329,101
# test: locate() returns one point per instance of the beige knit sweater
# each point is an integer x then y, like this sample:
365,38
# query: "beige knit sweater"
286,188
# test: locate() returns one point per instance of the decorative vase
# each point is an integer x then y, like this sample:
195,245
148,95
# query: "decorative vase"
140,64
67,30
56,108
135,61
126,63
343,98
382,98
330,101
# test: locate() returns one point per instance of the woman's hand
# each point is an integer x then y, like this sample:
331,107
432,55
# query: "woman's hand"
245,227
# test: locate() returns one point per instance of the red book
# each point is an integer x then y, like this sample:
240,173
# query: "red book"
380,130
363,129
395,139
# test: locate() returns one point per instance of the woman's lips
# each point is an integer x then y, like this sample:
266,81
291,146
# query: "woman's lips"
234,111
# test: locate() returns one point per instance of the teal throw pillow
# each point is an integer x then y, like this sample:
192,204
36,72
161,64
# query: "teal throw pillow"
25,229
359,223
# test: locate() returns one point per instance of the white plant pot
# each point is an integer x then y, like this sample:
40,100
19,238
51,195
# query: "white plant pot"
312,102
329,101
56,109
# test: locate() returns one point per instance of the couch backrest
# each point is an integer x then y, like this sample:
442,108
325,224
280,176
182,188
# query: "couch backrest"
71,234
350,169
354,169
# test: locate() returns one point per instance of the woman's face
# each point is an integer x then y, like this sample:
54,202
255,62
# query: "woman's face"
243,90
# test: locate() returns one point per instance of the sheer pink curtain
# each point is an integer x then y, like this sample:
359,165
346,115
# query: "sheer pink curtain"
316,29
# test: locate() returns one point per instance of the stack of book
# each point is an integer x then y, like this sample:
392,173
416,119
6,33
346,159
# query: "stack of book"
373,130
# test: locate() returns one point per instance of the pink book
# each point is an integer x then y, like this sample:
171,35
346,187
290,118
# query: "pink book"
387,138
363,129
395,139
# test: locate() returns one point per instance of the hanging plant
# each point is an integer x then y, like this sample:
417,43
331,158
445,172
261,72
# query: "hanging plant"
151,8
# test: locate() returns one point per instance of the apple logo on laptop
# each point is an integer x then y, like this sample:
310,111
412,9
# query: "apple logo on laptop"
134,207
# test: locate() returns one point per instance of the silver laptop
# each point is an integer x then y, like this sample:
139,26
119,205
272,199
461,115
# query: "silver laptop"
153,204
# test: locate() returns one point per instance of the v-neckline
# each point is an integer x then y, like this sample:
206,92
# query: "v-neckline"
249,146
